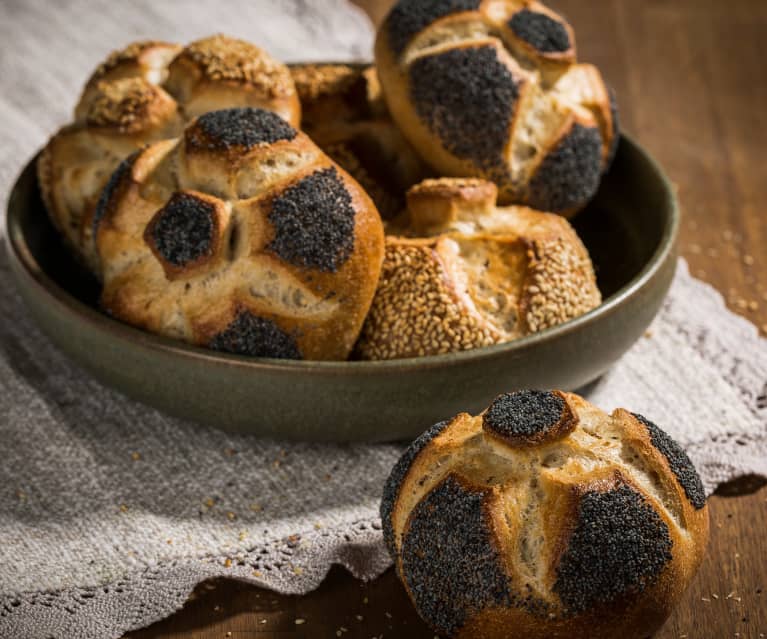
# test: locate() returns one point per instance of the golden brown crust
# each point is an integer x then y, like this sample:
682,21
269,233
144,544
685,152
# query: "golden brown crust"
138,59
435,204
220,71
244,279
606,467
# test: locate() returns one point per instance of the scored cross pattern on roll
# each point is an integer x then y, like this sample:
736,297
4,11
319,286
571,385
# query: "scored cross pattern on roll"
491,88
545,517
242,236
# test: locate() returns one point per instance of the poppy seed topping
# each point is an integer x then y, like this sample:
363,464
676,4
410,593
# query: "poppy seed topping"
256,336
183,231
540,31
467,97
410,17
569,175
619,544
450,561
527,415
397,476
239,127
313,222
678,461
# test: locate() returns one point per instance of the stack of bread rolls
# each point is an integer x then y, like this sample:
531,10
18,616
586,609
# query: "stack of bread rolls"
415,207
227,200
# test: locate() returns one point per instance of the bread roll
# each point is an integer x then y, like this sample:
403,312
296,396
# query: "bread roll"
544,517
343,112
241,236
491,88
140,94
487,275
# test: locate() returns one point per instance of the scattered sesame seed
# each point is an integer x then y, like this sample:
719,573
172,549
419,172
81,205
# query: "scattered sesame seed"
748,260
135,456
231,516
300,621
227,563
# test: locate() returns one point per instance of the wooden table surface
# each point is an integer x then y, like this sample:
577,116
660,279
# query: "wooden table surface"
692,86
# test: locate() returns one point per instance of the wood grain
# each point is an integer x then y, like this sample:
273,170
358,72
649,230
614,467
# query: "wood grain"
692,87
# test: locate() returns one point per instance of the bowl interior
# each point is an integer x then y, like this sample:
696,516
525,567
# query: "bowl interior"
621,242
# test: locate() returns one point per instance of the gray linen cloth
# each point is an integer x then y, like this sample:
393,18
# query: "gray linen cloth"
110,512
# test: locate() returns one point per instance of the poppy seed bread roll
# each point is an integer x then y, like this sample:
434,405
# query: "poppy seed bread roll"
242,236
545,517
492,89
474,274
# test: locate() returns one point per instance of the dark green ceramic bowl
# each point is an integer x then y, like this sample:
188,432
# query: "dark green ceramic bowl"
629,229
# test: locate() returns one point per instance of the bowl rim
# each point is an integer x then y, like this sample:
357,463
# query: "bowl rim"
66,303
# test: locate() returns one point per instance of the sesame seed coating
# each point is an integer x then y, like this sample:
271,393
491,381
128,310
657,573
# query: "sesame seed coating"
122,104
467,97
110,190
183,230
409,17
240,127
222,58
569,175
256,336
524,414
678,461
619,544
560,284
313,222
415,312
397,476
449,558
541,31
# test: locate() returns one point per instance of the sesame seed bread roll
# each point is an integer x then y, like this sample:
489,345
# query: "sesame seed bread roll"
545,518
492,89
241,236
138,95
474,275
